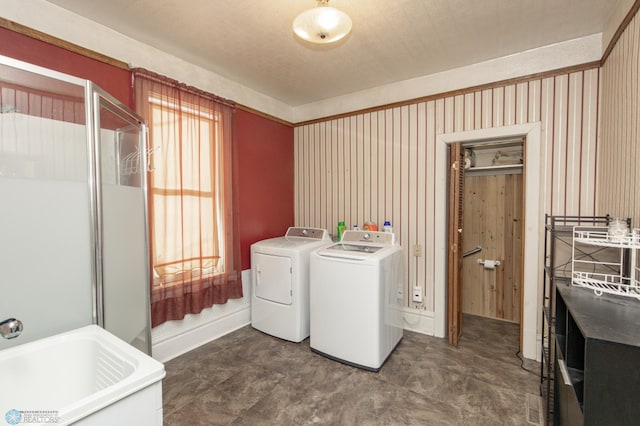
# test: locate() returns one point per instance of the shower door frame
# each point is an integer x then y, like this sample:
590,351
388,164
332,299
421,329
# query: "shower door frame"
99,98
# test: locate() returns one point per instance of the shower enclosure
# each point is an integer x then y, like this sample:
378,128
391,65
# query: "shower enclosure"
73,215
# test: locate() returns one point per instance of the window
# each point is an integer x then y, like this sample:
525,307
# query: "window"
186,193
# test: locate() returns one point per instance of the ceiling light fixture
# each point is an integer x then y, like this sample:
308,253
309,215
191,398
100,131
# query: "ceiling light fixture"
323,24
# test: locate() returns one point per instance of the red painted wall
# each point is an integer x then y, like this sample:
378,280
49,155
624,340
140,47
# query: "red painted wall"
266,180
265,147
114,80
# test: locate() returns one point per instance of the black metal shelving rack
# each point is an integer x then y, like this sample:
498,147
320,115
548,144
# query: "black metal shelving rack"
558,241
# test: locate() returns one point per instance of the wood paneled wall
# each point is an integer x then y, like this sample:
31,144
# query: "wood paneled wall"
493,215
619,156
380,165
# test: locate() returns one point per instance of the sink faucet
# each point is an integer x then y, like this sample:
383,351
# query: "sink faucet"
10,328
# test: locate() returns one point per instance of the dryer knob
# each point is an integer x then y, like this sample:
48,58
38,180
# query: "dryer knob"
366,236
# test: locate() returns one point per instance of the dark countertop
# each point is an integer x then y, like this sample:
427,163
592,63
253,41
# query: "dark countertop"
607,317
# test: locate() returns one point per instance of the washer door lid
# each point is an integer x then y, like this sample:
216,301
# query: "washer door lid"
273,278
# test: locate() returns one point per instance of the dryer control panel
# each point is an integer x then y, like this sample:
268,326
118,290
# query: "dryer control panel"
311,233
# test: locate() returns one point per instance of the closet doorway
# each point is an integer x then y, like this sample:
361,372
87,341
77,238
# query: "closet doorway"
493,212
490,200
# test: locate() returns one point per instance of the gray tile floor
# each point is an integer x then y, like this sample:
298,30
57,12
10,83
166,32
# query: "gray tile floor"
249,378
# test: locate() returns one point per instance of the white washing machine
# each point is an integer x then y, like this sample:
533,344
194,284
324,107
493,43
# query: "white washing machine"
280,282
356,295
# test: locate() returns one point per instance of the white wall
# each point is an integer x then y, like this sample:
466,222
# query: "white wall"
173,338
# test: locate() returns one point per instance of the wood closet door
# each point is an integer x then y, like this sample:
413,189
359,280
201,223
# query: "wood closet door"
454,276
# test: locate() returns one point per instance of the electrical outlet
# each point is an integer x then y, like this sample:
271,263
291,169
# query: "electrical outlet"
417,250
416,296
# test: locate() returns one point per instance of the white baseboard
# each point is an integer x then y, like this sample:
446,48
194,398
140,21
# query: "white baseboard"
174,338
418,321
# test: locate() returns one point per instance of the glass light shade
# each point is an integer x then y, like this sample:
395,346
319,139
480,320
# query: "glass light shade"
323,24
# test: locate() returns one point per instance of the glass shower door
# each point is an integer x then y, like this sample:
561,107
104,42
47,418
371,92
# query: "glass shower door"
45,226
121,153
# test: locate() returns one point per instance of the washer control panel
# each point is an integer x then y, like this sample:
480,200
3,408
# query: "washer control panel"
369,237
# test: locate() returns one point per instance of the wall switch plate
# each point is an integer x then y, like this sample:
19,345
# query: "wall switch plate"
417,250
416,295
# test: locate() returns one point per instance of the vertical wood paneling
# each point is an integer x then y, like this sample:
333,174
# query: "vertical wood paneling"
618,152
449,115
522,103
458,113
405,187
421,196
316,165
495,292
381,165
366,167
381,169
477,110
559,144
534,101
546,118
374,167
430,197
355,191
509,114
409,220
396,192
574,140
487,109
469,113
361,187
588,148
334,204
497,107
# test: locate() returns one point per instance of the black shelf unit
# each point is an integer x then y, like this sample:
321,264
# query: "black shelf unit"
558,243
598,347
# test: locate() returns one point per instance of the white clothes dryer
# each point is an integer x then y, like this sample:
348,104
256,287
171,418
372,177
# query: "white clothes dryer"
280,282
356,296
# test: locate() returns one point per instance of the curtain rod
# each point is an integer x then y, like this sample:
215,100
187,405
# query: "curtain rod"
150,75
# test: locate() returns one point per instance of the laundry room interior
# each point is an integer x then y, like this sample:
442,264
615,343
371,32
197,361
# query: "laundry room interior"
345,226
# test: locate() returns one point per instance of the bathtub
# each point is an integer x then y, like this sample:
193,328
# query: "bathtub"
86,376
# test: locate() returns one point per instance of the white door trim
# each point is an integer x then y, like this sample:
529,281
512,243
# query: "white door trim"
533,222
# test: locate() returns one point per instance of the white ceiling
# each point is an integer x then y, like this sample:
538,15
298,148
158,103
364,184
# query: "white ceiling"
252,42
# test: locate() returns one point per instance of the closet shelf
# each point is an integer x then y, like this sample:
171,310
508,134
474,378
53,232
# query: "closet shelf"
500,167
